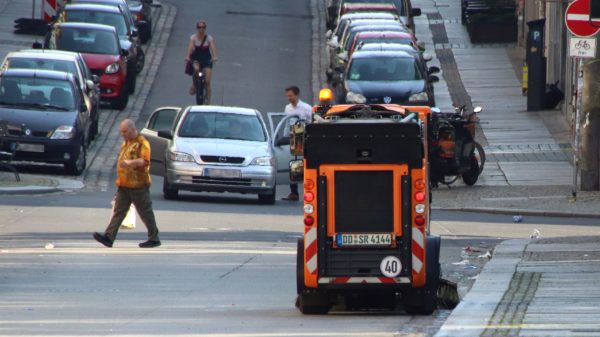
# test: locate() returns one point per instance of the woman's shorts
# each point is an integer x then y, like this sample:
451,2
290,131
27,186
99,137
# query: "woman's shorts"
207,64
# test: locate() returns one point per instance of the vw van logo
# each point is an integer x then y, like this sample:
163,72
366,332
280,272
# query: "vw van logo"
222,159
387,99
28,132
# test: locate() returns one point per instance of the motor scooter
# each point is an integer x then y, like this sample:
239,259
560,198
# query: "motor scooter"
453,150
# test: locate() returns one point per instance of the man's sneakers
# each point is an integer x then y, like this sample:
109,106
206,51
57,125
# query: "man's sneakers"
150,244
103,239
291,197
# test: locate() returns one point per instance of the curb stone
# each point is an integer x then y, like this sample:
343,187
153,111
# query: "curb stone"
476,309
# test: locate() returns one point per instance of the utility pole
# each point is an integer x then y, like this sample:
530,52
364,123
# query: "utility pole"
590,127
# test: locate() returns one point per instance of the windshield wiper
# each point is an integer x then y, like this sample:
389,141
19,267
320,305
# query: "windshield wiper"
9,103
42,106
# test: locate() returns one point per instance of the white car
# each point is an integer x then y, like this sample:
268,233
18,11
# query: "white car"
214,149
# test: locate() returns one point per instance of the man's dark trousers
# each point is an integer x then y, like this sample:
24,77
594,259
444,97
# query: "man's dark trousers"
140,197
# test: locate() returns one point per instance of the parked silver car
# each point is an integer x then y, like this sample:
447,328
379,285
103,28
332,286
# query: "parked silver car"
212,148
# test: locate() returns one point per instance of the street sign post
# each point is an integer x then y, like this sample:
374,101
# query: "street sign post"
577,19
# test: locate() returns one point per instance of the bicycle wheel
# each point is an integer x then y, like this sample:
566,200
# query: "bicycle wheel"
200,91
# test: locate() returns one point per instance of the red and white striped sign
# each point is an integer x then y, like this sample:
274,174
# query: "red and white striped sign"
310,249
363,280
49,8
577,19
418,250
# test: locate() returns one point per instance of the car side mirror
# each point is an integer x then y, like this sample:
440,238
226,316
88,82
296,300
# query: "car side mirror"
95,78
134,32
36,45
433,78
427,57
165,134
415,12
124,52
90,85
297,170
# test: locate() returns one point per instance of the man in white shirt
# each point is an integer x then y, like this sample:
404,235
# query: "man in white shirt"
304,111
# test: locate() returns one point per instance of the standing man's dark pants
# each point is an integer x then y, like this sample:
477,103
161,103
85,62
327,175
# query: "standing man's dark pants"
140,197
294,189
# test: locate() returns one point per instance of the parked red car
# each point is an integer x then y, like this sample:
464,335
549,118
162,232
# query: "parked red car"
99,45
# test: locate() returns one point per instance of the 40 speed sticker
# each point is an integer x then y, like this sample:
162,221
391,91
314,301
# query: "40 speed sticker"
390,266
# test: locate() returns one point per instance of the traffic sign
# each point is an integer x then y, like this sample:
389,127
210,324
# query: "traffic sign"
582,47
577,19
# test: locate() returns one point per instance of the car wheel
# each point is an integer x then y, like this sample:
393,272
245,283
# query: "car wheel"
141,60
145,34
267,199
131,82
121,102
95,123
168,192
76,166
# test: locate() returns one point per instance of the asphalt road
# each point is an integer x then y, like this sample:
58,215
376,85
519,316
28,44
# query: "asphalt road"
263,47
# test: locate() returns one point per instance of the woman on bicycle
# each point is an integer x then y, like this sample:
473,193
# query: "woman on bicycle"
203,53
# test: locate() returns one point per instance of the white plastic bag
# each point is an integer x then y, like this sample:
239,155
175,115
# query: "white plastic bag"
130,218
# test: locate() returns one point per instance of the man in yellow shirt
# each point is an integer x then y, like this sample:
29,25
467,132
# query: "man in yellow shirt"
133,186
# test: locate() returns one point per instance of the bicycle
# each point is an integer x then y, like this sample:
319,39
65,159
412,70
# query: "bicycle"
582,44
200,84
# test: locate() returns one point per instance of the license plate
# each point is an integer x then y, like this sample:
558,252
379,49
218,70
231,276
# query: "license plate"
30,147
345,240
222,173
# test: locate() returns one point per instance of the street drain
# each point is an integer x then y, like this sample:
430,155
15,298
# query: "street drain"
296,16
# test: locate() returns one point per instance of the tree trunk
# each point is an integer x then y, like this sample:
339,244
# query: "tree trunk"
590,127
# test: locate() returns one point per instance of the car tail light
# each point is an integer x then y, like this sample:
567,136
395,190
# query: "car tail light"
420,196
309,220
140,16
419,220
309,196
420,184
309,209
309,184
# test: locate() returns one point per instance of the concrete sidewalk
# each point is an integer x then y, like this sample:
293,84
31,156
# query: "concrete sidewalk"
541,287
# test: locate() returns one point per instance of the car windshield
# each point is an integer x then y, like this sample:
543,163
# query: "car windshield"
46,64
384,69
37,93
84,40
105,18
384,39
398,3
201,124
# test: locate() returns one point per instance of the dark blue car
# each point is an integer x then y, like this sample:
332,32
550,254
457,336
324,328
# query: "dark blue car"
44,118
387,77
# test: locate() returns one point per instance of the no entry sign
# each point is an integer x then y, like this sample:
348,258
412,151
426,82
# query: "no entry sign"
577,19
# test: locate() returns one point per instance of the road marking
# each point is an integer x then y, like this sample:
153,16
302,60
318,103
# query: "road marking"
138,251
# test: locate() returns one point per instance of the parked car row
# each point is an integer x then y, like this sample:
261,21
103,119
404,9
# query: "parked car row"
374,55
50,97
